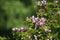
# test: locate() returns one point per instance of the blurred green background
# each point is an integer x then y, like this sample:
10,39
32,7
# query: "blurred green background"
14,12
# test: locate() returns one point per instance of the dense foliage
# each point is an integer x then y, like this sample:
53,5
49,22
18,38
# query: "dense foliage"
43,26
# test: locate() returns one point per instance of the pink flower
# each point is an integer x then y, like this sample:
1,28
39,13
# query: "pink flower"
36,19
47,30
44,3
40,10
29,36
41,24
15,29
33,17
43,20
25,29
21,29
33,21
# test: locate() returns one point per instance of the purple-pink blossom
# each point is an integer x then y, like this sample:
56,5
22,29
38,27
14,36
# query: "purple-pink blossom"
37,19
41,24
25,29
40,10
43,20
44,3
32,17
29,36
33,21
21,29
15,29
47,30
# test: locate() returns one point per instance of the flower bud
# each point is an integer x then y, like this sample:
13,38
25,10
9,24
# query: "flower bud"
29,36
21,29
47,30
15,29
40,10
32,17
25,29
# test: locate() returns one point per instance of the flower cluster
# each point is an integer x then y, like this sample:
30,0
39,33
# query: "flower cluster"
21,29
43,3
38,21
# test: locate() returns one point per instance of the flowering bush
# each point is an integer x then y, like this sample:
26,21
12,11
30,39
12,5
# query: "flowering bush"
42,27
